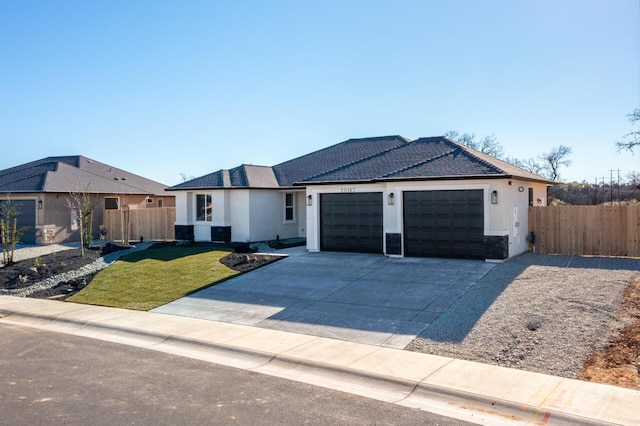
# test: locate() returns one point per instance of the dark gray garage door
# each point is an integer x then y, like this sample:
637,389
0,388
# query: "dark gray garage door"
26,218
351,222
444,224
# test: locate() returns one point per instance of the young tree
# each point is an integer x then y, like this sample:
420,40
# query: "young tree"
632,139
9,232
82,205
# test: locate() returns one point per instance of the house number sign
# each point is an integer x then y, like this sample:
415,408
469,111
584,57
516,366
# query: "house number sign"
347,190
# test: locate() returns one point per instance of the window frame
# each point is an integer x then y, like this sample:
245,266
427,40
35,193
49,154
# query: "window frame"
207,216
107,204
289,207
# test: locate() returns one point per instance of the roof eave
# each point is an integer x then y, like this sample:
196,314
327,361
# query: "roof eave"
211,188
423,178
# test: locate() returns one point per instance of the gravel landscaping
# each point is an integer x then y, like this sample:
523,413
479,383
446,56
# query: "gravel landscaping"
534,312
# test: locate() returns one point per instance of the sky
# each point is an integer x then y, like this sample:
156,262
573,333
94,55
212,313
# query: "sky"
174,89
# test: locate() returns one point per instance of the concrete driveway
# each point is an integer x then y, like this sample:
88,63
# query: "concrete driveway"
364,298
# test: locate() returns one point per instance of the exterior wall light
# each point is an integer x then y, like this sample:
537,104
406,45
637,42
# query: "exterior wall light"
391,199
309,200
39,204
494,197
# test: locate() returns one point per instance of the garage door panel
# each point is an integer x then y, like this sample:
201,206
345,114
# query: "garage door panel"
351,222
444,223
26,218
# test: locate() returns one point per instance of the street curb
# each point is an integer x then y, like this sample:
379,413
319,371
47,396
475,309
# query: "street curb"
405,392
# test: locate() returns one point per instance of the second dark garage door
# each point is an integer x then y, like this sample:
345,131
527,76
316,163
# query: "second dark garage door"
444,223
351,222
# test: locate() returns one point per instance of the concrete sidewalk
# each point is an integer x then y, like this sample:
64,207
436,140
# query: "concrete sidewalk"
470,391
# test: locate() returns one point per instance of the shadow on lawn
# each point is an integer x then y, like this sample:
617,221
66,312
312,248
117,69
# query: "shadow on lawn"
166,252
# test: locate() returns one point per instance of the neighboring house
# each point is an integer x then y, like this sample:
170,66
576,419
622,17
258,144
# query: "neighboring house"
41,189
430,197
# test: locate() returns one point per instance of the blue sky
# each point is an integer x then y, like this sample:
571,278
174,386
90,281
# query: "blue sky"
164,88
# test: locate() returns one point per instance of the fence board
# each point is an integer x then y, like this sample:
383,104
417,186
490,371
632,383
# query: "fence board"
587,230
151,224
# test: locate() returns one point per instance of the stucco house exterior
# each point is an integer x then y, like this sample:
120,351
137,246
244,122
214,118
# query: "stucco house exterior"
429,197
41,190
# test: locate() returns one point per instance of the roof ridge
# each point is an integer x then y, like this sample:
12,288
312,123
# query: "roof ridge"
360,160
22,178
419,163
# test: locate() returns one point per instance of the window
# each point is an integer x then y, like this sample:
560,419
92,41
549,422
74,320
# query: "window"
111,204
160,202
204,209
289,207
530,197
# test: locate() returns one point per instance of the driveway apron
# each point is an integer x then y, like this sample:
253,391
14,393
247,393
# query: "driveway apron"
364,298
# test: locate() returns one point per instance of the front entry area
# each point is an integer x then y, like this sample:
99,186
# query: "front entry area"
351,222
444,223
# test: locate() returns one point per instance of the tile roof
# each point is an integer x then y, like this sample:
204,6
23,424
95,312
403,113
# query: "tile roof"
424,158
75,174
244,176
373,159
335,157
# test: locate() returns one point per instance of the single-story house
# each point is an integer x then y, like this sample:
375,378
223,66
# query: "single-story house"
429,197
41,190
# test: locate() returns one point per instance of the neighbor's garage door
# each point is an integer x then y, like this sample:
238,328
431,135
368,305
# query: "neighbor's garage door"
444,223
26,218
351,222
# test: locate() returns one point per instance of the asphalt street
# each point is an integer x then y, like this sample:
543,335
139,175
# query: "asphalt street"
52,378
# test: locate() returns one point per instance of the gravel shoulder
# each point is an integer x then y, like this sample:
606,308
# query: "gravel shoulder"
535,312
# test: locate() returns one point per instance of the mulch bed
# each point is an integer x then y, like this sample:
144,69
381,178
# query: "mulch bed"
27,272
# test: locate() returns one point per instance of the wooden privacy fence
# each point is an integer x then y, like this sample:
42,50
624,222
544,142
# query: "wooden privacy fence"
587,230
151,224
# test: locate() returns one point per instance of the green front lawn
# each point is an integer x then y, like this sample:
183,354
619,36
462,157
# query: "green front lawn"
150,278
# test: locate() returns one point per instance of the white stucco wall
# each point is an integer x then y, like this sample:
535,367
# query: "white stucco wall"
508,217
183,215
267,210
252,214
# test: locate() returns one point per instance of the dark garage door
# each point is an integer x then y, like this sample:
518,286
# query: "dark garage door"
351,222
444,224
26,218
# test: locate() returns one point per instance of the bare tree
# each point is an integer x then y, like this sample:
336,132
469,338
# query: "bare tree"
184,177
487,145
547,164
554,160
529,164
82,205
632,139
